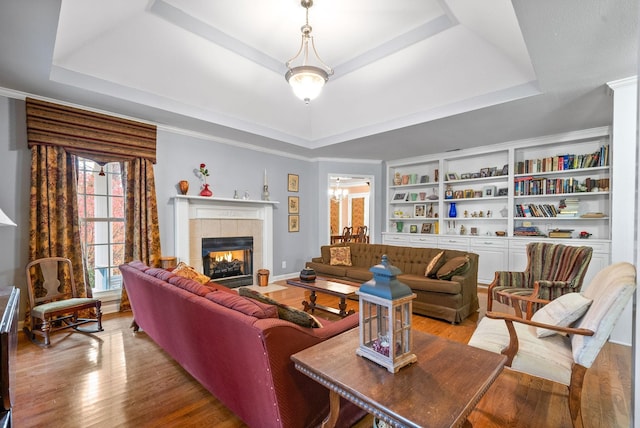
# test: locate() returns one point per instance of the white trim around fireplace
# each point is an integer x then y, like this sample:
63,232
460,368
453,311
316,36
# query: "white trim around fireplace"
198,207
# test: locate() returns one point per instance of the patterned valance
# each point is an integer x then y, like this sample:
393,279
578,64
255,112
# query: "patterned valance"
95,136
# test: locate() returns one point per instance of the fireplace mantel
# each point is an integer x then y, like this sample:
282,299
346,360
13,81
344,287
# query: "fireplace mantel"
199,207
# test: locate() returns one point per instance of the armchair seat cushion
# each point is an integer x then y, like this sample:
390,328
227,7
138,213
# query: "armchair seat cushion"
549,358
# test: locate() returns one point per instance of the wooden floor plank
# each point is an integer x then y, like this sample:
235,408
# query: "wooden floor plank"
118,378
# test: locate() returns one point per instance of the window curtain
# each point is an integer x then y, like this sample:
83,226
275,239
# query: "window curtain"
53,214
142,234
104,138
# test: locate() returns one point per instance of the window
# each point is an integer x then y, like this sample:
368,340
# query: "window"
101,212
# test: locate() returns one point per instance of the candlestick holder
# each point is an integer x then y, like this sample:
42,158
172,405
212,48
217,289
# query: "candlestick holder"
265,192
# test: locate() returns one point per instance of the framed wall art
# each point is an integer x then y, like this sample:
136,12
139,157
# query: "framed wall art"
294,223
420,210
294,205
293,183
426,228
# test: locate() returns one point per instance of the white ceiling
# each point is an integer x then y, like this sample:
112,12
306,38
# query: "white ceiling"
411,76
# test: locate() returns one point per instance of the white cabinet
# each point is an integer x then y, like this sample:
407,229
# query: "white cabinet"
510,190
493,255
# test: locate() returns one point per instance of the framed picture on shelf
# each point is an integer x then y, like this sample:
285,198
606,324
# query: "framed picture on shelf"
452,176
477,194
465,176
485,172
426,228
493,171
292,182
420,210
424,179
413,228
294,223
294,205
475,175
488,191
505,169
458,194
503,192
400,196
468,193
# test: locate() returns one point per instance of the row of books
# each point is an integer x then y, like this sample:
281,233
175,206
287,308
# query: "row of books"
564,162
524,186
533,210
526,231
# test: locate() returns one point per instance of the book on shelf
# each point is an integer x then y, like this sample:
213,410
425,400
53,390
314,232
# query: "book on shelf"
564,162
560,233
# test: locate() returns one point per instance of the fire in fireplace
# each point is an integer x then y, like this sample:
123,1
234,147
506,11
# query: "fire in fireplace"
228,261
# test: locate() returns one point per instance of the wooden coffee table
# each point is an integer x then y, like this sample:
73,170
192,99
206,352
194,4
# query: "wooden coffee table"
323,285
440,390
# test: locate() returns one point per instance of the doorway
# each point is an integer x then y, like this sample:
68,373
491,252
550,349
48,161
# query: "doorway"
350,204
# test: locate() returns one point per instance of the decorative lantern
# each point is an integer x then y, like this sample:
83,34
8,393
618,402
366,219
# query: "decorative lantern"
385,318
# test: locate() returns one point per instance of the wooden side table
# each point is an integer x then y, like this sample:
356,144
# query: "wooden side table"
168,262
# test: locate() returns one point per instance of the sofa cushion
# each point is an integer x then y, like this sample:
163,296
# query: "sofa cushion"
327,269
561,312
454,266
186,271
139,265
245,305
340,256
285,312
159,273
359,274
430,285
432,267
190,285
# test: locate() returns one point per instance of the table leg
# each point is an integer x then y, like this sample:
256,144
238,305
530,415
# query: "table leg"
334,410
343,308
310,306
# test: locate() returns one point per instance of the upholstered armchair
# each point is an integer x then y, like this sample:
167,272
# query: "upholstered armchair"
561,340
552,270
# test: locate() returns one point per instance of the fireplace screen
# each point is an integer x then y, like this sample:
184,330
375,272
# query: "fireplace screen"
228,261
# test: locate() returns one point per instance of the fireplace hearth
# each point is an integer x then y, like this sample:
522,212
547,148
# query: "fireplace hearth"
229,260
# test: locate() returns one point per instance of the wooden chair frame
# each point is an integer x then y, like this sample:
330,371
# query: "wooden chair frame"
57,310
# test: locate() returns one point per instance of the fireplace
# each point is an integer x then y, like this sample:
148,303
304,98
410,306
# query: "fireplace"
228,260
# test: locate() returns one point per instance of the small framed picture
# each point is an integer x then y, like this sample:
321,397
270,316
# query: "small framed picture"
424,179
420,210
465,176
293,183
475,175
474,231
484,172
426,228
452,176
468,193
294,223
493,171
413,228
458,194
477,194
400,196
503,192
294,205
505,170
488,191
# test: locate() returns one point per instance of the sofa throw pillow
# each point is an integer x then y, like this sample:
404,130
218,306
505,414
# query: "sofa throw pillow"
186,271
561,312
434,265
452,267
340,256
285,312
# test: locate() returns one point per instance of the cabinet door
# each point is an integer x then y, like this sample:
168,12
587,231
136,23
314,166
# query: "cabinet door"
493,255
453,243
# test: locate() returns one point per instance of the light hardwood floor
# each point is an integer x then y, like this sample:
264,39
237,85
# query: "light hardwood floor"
118,378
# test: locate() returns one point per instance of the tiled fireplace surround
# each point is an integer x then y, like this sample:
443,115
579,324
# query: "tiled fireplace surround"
197,217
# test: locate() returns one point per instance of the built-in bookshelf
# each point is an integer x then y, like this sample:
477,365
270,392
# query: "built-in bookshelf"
505,195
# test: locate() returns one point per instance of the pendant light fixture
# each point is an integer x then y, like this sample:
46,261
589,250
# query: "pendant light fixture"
307,79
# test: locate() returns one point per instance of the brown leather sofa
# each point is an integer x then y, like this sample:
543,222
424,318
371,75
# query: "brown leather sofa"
452,299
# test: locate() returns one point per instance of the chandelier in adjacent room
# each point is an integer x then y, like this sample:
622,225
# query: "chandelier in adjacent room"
307,79
338,193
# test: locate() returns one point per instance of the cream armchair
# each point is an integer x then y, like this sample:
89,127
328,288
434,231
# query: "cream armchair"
563,357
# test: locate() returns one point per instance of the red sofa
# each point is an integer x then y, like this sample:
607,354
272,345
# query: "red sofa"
243,360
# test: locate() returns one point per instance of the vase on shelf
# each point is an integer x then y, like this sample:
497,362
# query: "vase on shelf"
184,186
399,226
205,191
453,212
